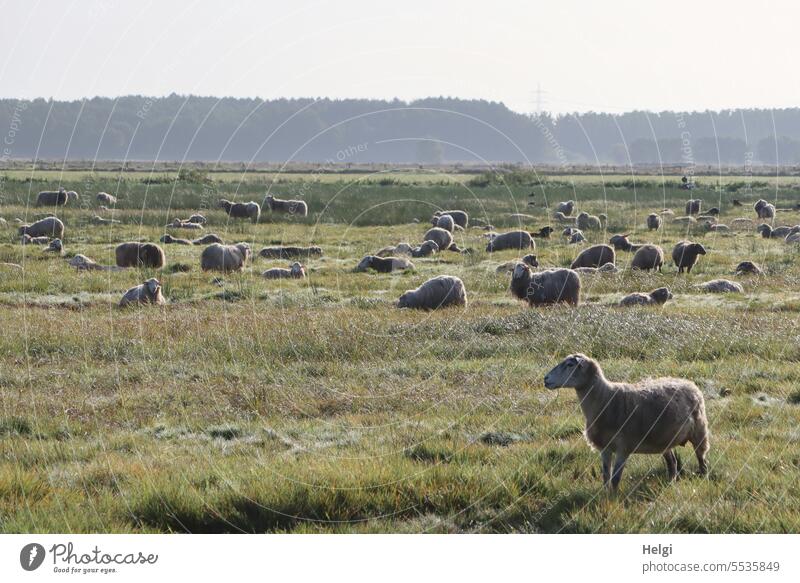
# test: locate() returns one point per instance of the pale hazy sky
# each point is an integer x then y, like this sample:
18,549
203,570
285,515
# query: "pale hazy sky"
602,56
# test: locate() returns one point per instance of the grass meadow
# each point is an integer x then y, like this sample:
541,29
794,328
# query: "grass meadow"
247,405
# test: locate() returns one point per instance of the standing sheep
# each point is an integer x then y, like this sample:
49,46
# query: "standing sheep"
768,232
289,207
511,240
648,257
693,206
52,198
148,292
652,416
461,218
587,222
384,264
566,207
764,210
551,286
437,292
685,254
46,227
140,255
443,238
594,256
653,222
657,297
241,210
296,271
445,222
106,199
225,258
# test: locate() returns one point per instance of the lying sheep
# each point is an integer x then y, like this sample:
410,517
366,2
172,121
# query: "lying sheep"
179,224
81,262
384,264
52,198
241,210
551,286
605,268
792,237
648,257
566,207
72,195
621,243
46,227
445,222
399,249
657,297
296,271
28,240
576,237
106,199
509,266
563,219
693,206
289,207
140,255
225,258
208,239
289,252
722,286
768,232
653,222
55,246
667,213
716,227
98,220
196,218
170,240
741,224
443,238
687,221
587,222
543,233
713,211
461,218
652,416
594,256
148,292
438,292
764,210
511,240
748,268
427,249
685,255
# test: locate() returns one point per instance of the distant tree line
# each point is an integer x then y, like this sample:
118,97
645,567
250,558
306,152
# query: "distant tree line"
427,131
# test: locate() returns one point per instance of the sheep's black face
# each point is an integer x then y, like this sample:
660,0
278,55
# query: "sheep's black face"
699,249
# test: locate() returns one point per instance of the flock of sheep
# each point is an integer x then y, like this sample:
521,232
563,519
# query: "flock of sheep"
654,416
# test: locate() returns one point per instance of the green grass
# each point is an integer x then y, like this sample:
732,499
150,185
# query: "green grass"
316,406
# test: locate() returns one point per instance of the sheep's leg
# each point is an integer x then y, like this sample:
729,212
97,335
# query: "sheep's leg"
672,464
619,466
605,457
700,450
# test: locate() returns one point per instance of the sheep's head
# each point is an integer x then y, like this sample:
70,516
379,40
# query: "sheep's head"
166,238
620,241
568,232
545,232
760,203
405,300
575,371
521,271
661,295
298,270
531,260
697,249
765,230
365,263
583,215
153,287
245,250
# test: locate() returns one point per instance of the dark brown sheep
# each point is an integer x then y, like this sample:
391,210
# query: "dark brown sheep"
685,255
594,256
656,297
648,257
511,240
140,255
241,210
551,286
52,198
290,252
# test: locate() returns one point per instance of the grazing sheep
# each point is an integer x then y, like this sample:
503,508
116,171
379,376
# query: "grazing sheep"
296,271
443,238
288,207
179,224
461,218
148,292
399,249
621,243
543,233
196,218
445,222
511,240
768,232
563,219
384,264
721,286
55,247
139,255
48,226
28,240
540,288
603,217
286,252
657,297
594,256
208,239
241,210
587,222
653,222
438,292
764,210
748,268
652,416
98,220
648,257
52,198
427,249
685,254
225,258
605,268
566,207
170,240
693,206
106,199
